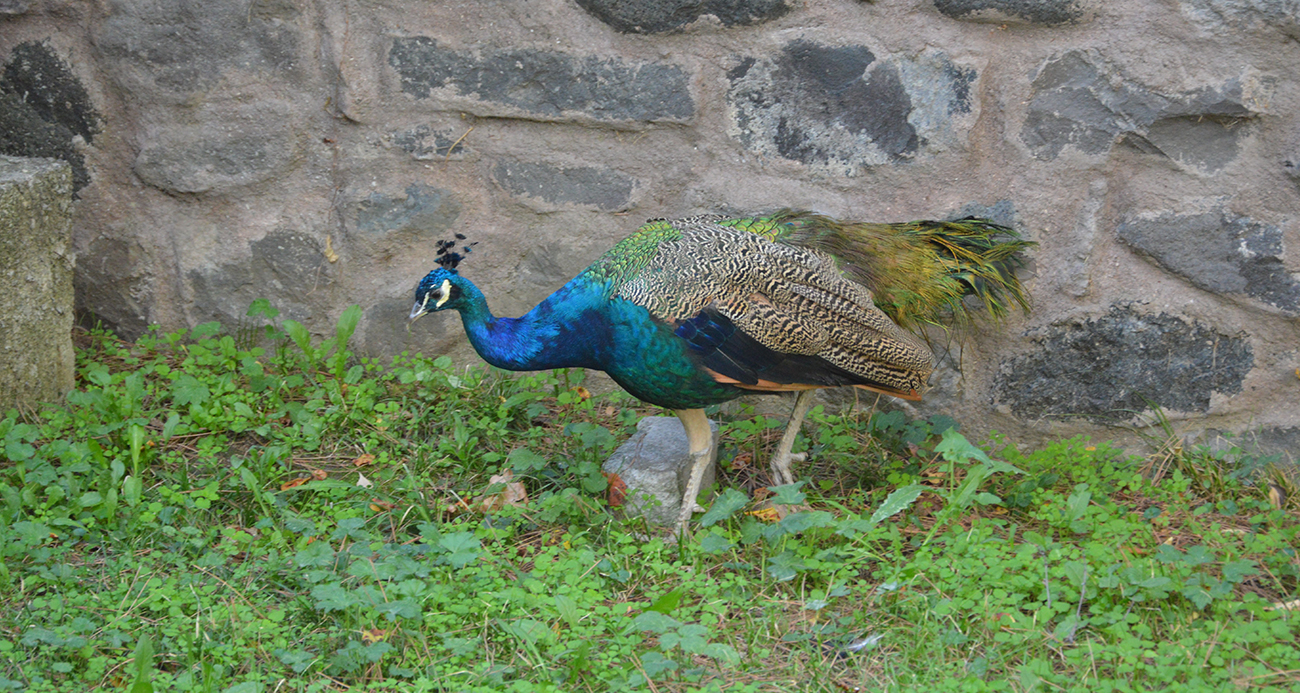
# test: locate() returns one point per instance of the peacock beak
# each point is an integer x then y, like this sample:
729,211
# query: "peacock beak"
416,312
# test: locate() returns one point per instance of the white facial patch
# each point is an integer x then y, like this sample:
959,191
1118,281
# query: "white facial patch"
445,291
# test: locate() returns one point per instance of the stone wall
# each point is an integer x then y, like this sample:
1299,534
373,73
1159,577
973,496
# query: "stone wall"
36,355
312,153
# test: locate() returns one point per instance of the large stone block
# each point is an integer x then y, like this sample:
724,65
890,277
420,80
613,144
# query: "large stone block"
1044,12
661,16
166,52
1082,101
547,85
286,267
36,356
556,186
1109,369
1219,252
221,149
114,289
839,108
44,108
1220,17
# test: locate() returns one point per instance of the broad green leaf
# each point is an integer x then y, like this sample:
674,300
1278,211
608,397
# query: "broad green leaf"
724,506
666,603
142,661
801,521
955,448
898,501
715,543
1236,571
525,460
655,664
317,554
188,390
655,622
789,494
332,597
568,609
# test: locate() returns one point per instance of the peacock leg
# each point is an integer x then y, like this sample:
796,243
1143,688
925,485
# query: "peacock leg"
704,447
782,460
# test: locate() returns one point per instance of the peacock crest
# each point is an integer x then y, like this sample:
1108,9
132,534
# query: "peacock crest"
448,257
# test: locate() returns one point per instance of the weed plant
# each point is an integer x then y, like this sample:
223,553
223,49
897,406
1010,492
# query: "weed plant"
260,511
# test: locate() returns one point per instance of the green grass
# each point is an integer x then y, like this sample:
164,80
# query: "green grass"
190,519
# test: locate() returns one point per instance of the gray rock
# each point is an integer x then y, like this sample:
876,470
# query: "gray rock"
660,16
1278,440
548,85
214,157
287,268
1218,252
599,188
44,108
46,83
13,8
1001,212
23,133
1043,12
178,48
113,287
839,108
1109,369
655,463
423,212
1080,101
1219,16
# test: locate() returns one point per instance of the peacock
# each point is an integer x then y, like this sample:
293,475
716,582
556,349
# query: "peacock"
693,312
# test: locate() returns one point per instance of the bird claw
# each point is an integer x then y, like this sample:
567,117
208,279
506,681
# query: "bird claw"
782,471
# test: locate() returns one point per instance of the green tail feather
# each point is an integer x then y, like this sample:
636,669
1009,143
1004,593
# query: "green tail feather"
919,271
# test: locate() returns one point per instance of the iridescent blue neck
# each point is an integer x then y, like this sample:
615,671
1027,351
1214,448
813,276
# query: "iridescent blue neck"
558,333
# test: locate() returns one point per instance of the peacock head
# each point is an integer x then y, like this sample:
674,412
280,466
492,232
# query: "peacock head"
442,288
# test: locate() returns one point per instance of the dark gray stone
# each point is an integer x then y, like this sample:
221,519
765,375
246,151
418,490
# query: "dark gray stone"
1046,12
840,108
423,211
23,133
112,287
1109,369
288,268
601,188
36,74
13,8
185,46
655,463
44,108
1284,442
1218,252
660,16
1082,102
423,143
546,84
1221,16
216,157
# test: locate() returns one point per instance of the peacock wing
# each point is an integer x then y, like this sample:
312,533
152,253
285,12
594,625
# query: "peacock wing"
772,316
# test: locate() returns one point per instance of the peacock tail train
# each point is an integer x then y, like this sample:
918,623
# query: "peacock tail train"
919,271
